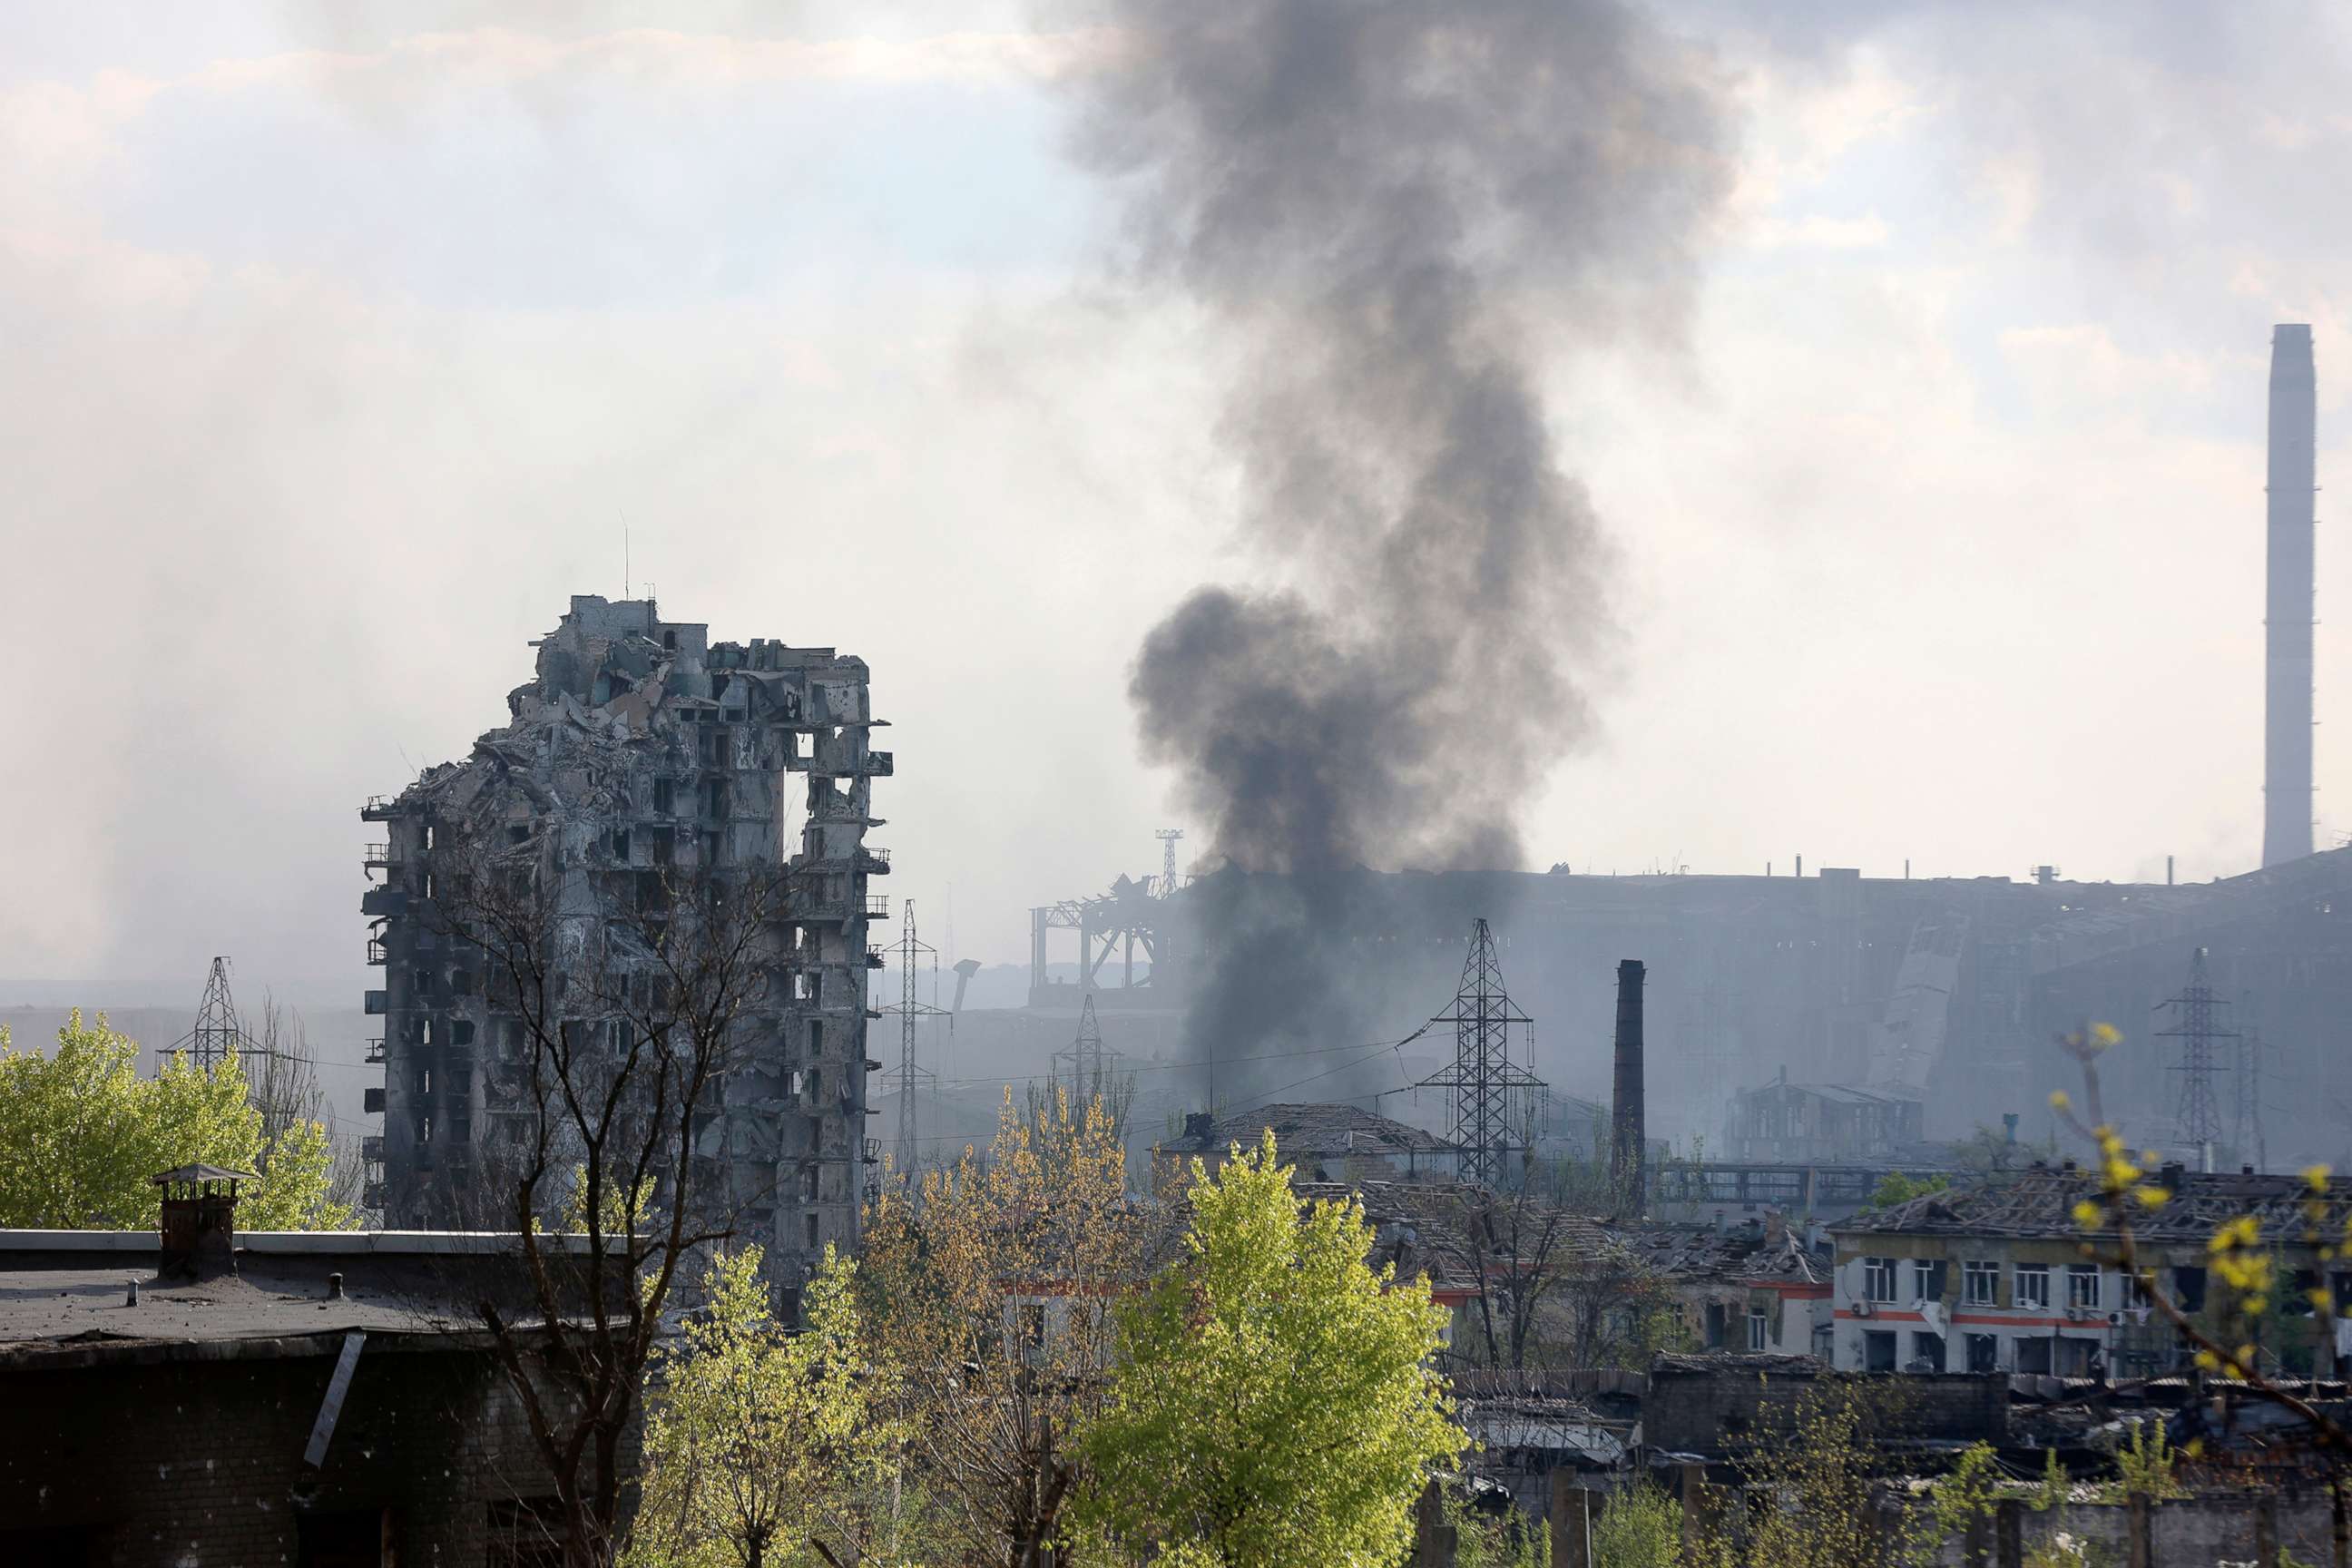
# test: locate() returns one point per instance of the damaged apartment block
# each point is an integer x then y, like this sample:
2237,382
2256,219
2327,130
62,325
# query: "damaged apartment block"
641,753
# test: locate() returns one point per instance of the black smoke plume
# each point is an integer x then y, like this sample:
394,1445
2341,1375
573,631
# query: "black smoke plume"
1405,212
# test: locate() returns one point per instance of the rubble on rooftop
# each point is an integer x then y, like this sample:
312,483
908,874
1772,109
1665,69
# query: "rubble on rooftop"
640,751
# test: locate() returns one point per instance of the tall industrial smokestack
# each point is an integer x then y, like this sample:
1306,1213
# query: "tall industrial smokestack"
2291,602
1628,1139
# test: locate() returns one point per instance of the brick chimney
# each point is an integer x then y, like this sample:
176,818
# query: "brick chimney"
199,1222
1629,1135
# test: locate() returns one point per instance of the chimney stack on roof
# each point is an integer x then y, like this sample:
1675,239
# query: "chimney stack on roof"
199,1221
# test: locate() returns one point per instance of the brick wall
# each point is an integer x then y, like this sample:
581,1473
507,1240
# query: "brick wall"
2188,1532
1718,1408
193,1463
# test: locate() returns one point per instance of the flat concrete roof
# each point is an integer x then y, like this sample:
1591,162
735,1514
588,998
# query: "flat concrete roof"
63,1294
298,1243
86,1309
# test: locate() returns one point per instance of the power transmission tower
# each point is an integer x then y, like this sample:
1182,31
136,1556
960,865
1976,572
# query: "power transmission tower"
2246,1122
1494,1097
1091,1063
217,1035
2196,1017
2245,1082
1167,838
908,949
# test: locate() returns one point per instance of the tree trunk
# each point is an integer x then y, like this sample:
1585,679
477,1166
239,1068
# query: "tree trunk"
2139,1526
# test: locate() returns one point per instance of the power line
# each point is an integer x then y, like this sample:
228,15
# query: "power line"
1369,1052
1196,1066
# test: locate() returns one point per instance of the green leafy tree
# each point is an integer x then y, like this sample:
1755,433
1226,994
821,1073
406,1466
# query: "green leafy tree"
82,1133
987,1283
1894,1187
764,1446
1506,1539
2053,1492
1640,1527
2144,1463
1273,1404
1815,1483
1990,1151
1964,1496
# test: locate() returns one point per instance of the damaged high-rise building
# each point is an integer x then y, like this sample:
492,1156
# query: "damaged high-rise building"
642,754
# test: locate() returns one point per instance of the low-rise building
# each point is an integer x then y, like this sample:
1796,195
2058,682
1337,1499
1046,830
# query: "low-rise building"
1758,1288
1994,1277
294,1397
1325,1142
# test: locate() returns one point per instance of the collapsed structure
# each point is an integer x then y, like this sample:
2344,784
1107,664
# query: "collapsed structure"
642,752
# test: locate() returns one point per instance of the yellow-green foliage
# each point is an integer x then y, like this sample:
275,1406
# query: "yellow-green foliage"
2053,1484
2144,1462
1485,1540
1642,1526
1818,1479
1894,1187
2064,1550
1272,1404
761,1443
81,1134
1966,1495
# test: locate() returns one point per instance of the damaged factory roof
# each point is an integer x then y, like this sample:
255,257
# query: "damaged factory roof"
2040,1202
1426,1227
1308,1132
1750,1252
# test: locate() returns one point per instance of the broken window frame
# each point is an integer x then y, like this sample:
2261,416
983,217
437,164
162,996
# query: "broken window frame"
2029,1286
2082,1287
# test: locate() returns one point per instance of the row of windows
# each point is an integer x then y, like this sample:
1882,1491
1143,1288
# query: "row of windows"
510,1034
1980,1283
1882,1350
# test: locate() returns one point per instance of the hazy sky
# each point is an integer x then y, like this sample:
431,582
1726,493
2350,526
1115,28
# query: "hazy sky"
334,354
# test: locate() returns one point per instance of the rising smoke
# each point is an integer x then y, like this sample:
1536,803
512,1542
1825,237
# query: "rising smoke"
1406,211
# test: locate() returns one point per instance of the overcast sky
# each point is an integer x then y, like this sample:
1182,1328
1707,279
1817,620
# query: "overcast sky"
334,354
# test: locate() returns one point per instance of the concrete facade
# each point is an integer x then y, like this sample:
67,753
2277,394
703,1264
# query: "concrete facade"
1942,992
641,750
1993,1279
1715,1404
